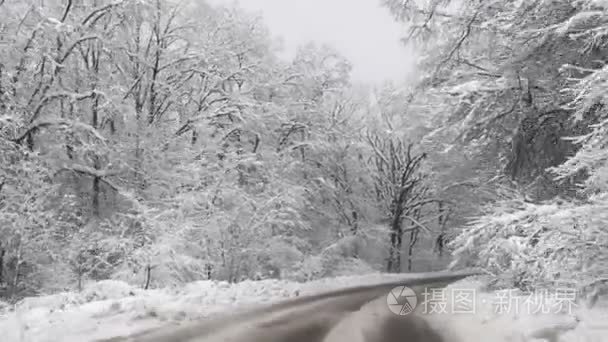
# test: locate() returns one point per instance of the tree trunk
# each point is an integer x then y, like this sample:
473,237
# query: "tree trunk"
354,228
148,276
443,218
441,237
209,269
2,254
410,251
96,195
394,258
80,280
15,281
414,230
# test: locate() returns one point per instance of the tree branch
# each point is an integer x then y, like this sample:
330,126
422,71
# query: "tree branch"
465,35
67,11
94,173
59,122
98,10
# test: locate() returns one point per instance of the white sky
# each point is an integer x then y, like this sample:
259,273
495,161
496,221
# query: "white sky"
362,30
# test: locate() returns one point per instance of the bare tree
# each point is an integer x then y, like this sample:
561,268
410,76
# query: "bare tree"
400,187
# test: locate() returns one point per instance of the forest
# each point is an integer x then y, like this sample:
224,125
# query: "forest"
161,142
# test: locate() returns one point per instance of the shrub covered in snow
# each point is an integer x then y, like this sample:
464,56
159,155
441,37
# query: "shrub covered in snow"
530,245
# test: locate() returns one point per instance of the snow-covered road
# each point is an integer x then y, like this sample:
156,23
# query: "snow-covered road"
108,309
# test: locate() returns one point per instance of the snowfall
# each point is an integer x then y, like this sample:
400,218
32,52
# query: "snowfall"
111,308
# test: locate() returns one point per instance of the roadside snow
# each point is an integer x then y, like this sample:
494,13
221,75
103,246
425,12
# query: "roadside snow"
110,308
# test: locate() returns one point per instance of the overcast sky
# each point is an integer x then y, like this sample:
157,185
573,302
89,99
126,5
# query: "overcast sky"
361,30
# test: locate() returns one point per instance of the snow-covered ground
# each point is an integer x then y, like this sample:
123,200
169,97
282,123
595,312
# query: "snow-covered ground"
109,308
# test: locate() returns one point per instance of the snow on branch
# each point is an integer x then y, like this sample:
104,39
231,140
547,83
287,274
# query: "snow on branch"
90,171
537,244
74,45
101,11
61,123
72,96
467,31
582,21
102,175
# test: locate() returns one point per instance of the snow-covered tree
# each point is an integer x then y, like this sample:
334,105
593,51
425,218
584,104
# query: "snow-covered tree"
524,78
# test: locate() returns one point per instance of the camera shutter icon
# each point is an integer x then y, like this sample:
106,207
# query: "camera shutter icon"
402,300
